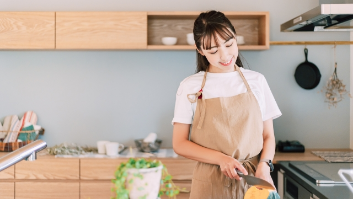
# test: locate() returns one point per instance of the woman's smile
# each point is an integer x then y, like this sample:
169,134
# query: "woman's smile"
226,63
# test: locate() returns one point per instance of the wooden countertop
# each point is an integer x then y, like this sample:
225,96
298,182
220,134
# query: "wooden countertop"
306,156
279,156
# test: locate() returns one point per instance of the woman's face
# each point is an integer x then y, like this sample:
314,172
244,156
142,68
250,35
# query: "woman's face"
222,58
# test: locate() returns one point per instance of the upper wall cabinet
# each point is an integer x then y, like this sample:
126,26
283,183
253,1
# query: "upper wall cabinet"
27,30
252,26
101,30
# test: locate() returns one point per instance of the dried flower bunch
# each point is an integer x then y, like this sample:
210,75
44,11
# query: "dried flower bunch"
335,89
70,149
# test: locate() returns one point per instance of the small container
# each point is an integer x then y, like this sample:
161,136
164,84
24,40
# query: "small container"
240,40
169,40
148,146
190,38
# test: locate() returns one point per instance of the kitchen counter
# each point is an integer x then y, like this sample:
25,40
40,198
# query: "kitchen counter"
279,156
91,177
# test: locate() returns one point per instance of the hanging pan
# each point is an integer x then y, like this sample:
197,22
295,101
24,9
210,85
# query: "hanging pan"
307,74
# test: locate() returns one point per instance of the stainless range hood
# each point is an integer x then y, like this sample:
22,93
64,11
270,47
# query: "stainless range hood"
325,17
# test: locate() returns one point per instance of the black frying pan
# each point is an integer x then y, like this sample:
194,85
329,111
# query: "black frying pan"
307,74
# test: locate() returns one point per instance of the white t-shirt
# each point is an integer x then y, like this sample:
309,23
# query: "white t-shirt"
224,85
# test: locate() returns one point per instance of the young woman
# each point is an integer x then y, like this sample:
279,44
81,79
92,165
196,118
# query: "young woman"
229,110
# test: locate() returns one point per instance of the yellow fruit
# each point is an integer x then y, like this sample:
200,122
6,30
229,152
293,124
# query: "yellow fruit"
255,193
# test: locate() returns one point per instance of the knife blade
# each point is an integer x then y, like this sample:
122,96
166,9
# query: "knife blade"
257,182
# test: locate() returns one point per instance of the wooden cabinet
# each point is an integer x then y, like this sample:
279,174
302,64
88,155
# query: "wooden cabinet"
118,30
253,26
101,30
48,169
7,190
8,173
46,190
27,30
95,175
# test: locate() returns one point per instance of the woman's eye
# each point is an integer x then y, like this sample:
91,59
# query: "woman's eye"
214,52
230,45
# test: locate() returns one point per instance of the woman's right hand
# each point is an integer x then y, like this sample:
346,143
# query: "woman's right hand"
228,166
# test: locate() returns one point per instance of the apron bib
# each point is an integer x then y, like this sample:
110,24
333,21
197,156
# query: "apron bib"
233,126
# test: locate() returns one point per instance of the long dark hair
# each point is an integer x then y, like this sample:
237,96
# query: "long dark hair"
207,26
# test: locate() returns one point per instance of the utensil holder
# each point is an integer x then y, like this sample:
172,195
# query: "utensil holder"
11,146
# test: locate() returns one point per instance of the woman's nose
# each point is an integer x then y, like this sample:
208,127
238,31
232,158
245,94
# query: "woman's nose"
223,54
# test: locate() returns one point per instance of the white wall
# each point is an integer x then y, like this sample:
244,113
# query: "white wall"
85,96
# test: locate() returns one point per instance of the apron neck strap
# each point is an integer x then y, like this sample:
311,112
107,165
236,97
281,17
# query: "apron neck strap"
204,79
242,76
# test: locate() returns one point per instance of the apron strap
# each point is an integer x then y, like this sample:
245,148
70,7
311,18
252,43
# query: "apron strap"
203,111
203,107
244,80
198,94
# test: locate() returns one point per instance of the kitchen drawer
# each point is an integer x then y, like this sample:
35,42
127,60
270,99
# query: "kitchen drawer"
48,169
180,169
8,173
47,190
104,169
7,190
96,189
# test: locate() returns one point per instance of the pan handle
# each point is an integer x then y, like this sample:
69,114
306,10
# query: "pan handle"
306,54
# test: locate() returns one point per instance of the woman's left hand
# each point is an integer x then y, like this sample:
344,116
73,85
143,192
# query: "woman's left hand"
263,172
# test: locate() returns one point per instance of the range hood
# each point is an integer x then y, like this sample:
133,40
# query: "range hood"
325,17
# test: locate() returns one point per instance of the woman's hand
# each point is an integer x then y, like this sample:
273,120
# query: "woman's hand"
263,172
228,166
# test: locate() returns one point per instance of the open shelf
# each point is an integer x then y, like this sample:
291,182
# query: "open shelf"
253,26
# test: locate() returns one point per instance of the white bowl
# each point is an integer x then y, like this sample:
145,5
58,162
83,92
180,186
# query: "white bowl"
240,40
169,40
190,41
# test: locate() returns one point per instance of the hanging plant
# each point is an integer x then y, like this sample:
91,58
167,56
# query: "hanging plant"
335,89
167,187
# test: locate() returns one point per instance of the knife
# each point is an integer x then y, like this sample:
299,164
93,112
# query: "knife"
257,182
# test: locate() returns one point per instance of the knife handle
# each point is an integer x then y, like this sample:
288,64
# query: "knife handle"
239,173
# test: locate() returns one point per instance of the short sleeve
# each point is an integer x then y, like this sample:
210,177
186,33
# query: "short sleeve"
271,109
183,112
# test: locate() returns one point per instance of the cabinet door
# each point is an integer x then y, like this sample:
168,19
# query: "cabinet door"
8,173
46,190
27,30
101,30
104,169
7,190
48,169
96,189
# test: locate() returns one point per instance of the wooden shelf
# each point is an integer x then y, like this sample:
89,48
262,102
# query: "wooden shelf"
191,47
174,47
253,26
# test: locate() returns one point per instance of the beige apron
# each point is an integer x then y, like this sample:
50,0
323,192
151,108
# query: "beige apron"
233,126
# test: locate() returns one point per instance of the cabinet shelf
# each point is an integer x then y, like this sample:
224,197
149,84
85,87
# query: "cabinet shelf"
253,26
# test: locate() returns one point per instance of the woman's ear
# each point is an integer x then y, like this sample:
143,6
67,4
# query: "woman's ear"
199,51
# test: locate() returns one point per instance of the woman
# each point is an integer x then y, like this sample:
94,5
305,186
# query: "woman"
230,112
